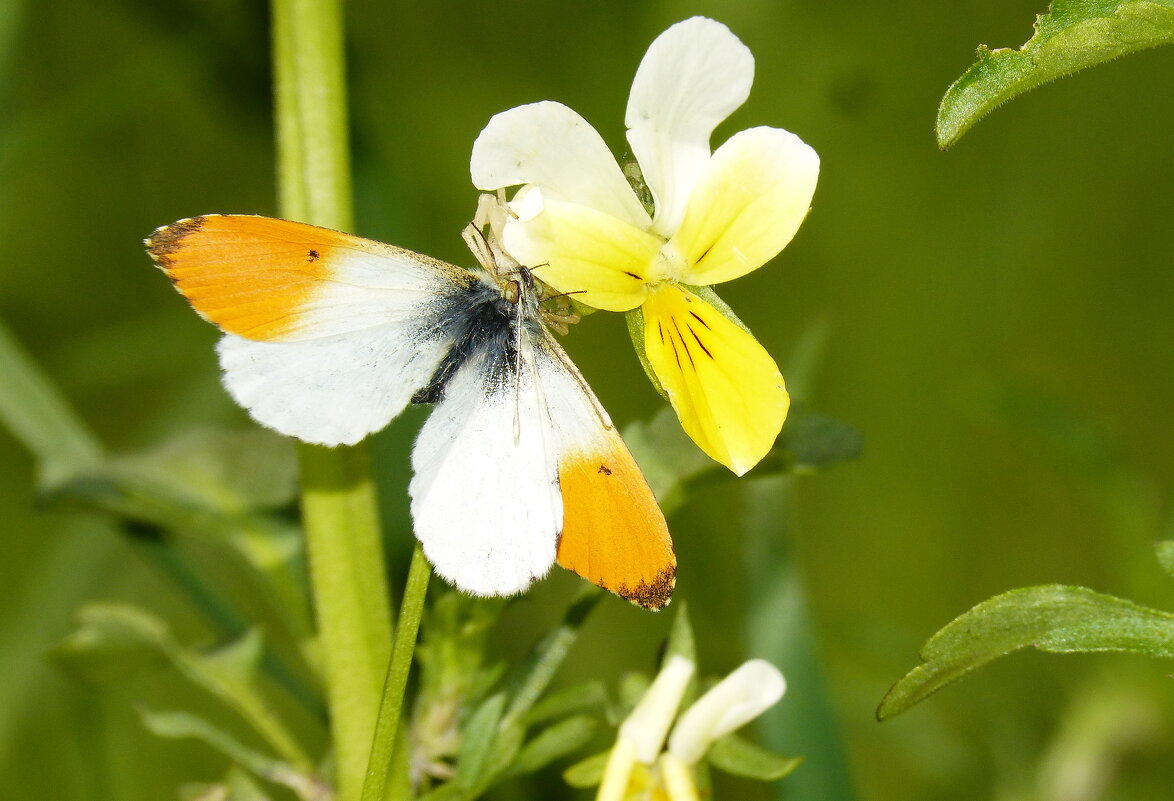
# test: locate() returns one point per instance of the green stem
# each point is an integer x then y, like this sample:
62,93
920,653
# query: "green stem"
347,572
391,707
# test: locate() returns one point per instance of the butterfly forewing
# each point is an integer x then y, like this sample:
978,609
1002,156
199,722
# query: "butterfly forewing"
328,335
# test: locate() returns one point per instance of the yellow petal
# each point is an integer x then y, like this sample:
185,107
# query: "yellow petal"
599,260
725,388
747,206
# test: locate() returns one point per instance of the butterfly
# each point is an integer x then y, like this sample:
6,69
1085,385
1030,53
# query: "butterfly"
328,337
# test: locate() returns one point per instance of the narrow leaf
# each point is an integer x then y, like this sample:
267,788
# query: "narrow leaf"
1072,35
1055,618
480,732
587,772
175,724
37,415
112,642
589,696
557,741
740,757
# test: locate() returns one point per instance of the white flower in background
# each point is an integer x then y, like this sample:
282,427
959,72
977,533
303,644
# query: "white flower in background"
716,216
640,767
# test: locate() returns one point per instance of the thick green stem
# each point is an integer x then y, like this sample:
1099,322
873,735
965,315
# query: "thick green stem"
338,497
391,708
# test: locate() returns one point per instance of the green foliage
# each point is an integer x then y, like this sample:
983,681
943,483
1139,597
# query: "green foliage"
740,757
1054,618
112,640
1165,550
1072,35
809,442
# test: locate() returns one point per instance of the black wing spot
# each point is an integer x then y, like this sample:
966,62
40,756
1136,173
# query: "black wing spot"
604,469
314,255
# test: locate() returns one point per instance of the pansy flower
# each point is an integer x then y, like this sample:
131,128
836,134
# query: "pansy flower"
640,766
704,218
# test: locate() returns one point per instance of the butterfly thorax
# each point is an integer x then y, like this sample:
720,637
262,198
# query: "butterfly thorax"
482,320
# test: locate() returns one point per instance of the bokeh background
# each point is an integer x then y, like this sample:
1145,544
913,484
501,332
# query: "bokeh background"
996,320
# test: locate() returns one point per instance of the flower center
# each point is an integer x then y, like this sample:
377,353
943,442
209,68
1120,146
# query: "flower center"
669,264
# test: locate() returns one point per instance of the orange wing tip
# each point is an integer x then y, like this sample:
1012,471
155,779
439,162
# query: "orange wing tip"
168,239
654,596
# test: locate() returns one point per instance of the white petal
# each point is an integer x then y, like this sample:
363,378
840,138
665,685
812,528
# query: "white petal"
552,146
736,700
692,77
649,722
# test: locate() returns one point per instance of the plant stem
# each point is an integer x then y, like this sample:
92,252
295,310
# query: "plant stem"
347,573
391,707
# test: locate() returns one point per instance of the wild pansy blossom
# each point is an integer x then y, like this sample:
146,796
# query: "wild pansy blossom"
714,216
640,767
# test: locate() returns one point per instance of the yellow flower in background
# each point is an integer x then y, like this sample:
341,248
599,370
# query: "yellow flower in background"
715,216
641,767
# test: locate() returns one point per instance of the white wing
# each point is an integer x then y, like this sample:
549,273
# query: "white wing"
331,391
327,335
485,496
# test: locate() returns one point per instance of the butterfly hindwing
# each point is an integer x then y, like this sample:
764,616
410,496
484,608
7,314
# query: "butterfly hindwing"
614,534
485,499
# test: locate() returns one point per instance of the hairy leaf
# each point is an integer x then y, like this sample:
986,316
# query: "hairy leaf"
1055,618
1072,35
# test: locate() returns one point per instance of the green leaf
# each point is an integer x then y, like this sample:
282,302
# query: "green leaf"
1072,35
176,724
553,743
1165,550
33,409
1055,618
587,772
480,732
117,639
741,757
589,696
667,457
112,642
530,677
502,753
810,442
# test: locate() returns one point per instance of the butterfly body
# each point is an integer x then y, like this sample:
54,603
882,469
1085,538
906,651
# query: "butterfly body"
329,336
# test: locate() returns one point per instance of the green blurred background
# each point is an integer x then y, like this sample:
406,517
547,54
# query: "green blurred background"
996,320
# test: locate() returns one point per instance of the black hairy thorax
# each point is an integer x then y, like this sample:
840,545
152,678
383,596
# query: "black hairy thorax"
482,322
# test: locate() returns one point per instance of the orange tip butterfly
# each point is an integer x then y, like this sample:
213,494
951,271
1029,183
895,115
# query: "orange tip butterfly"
328,337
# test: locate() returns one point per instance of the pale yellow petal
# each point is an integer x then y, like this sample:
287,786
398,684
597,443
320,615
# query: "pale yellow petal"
724,386
747,206
599,260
